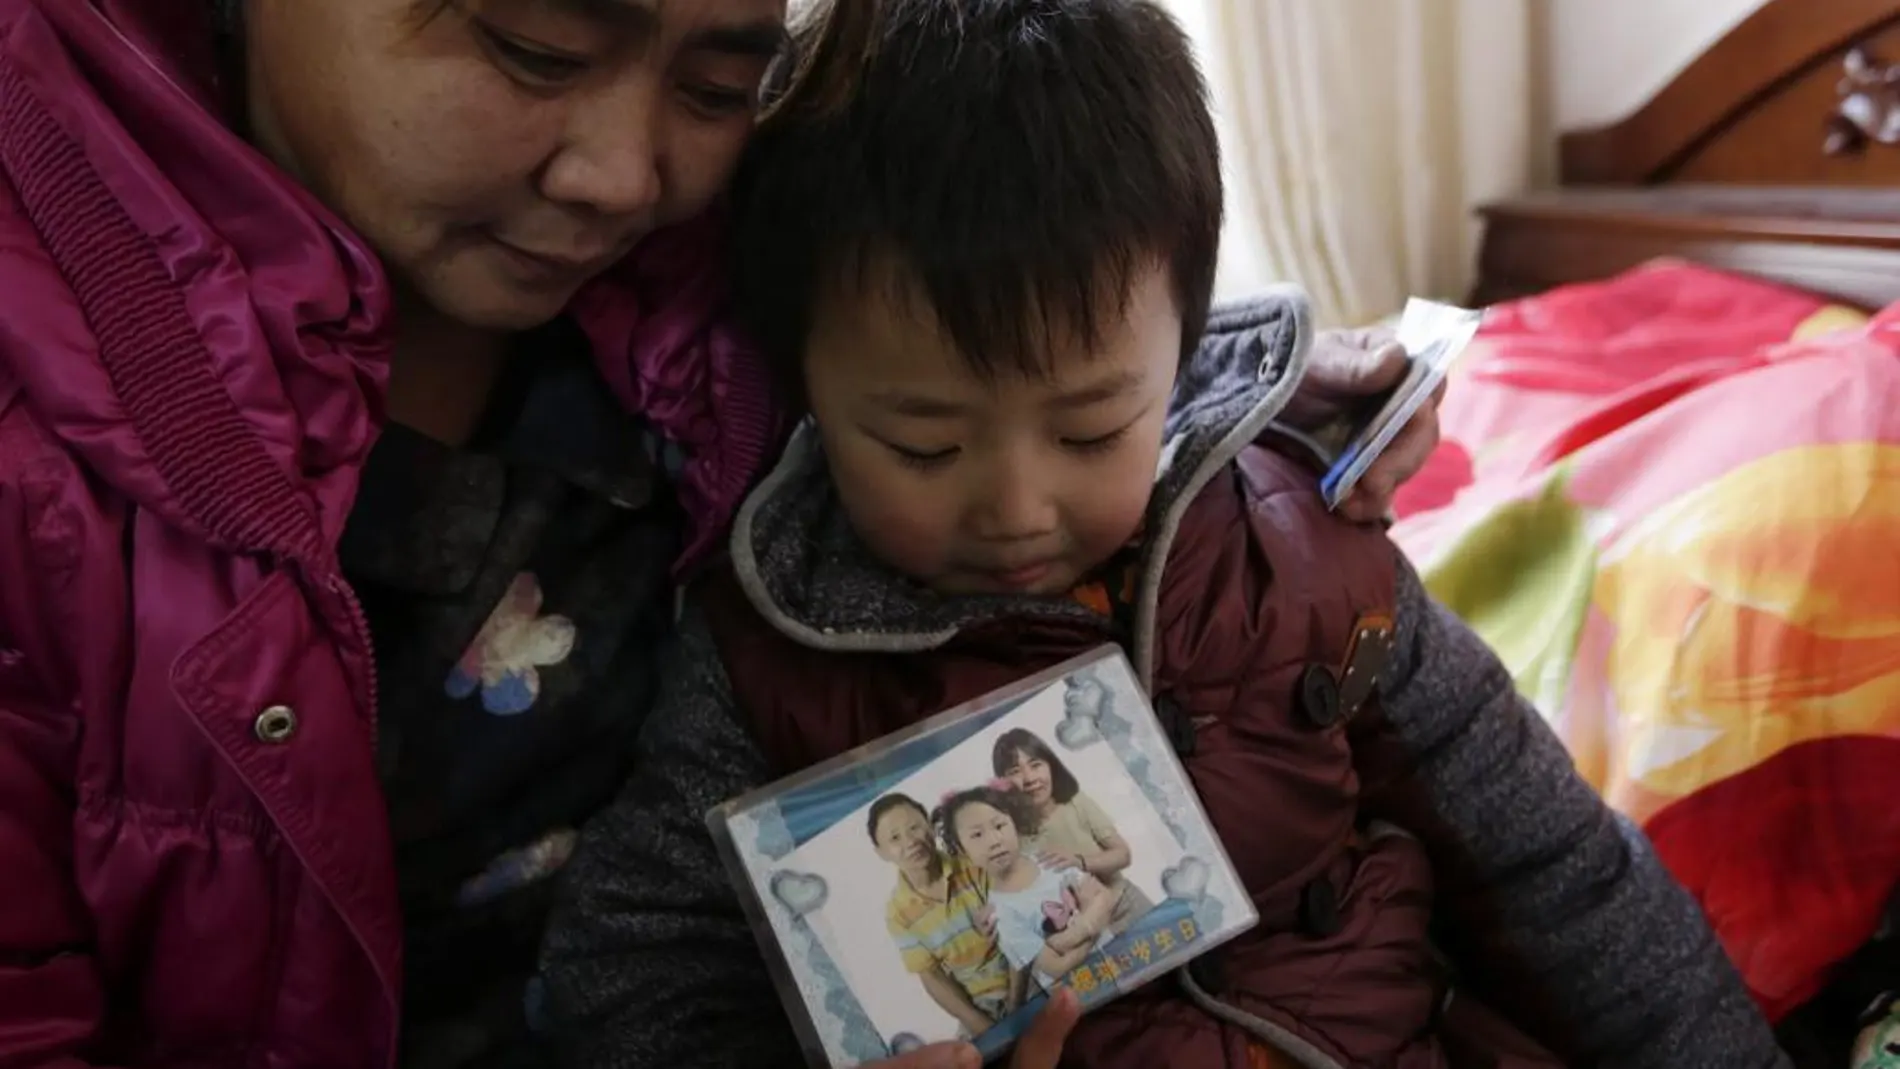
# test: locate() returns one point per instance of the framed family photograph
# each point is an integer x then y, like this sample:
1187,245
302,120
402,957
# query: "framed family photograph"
942,882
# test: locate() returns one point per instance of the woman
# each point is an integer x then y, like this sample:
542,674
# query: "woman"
1073,831
333,564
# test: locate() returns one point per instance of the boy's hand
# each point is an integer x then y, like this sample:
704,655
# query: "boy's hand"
1039,1048
1347,373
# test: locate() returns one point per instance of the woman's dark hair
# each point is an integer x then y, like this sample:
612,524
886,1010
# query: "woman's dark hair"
886,804
1018,163
1021,743
226,22
831,43
1007,801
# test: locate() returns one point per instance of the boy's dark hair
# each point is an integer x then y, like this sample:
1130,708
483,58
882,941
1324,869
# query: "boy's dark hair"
1011,803
1018,161
1023,743
887,803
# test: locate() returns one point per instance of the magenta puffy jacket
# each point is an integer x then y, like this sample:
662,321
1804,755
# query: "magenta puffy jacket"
194,863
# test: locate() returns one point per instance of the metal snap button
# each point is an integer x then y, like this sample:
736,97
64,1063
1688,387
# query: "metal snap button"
1210,972
1319,696
1319,909
1178,725
276,724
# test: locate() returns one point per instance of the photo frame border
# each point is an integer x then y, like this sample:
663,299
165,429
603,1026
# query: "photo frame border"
747,830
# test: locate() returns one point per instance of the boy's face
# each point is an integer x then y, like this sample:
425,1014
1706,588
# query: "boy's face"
1019,485
903,837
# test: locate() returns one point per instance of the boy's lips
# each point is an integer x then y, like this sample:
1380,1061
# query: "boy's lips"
1021,577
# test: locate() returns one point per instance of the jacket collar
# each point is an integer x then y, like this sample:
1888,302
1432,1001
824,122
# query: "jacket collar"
806,571
201,328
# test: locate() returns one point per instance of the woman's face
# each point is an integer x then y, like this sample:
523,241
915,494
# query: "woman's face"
1032,776
903,838
497,154
987,836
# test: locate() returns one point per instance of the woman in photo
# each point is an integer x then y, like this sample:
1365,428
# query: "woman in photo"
1047,920
936,916
1072,830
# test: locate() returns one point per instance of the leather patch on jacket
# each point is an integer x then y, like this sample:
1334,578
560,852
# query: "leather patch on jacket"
1368,652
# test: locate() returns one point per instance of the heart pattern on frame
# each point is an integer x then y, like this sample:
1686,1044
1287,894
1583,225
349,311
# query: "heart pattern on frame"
1075,733
905,1042
1082,713
801,892
1186,881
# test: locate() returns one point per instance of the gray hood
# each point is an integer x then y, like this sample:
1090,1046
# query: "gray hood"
807,572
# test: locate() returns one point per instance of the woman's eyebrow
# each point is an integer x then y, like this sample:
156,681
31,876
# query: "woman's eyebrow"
763,38
621,14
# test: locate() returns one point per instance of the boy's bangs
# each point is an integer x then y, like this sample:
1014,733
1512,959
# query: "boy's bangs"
1005,311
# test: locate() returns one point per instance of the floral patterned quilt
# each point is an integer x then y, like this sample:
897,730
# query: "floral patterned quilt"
1671,502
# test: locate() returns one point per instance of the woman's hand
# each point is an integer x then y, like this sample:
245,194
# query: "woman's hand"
1039,1048
1087,888
1347,373
1058,860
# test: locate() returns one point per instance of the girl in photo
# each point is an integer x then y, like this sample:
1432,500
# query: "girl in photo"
1072,830
936,916
1047,920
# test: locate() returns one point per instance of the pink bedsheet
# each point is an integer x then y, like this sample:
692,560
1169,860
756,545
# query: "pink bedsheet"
1671,501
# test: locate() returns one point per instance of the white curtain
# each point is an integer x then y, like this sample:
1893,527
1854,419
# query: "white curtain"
1358,136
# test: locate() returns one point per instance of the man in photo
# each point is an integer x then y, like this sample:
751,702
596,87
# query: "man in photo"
938,915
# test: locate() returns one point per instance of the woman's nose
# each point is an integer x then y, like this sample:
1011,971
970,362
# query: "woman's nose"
610,162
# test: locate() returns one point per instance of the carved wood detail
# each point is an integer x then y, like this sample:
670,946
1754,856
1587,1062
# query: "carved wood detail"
1869,108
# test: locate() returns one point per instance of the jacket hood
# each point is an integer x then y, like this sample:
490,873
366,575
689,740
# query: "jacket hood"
287,309
806,571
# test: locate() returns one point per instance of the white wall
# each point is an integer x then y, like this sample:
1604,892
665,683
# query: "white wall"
1606,57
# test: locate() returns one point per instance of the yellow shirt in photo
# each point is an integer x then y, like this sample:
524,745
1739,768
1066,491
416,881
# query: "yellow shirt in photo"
930,933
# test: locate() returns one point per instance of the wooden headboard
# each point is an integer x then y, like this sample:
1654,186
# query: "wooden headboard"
1775,152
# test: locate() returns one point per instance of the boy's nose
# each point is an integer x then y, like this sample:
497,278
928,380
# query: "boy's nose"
1013,508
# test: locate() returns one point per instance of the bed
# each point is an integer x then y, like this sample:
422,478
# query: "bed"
1746,161
1669,493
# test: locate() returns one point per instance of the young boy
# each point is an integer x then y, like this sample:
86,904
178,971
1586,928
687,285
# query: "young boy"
987,272
934,915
